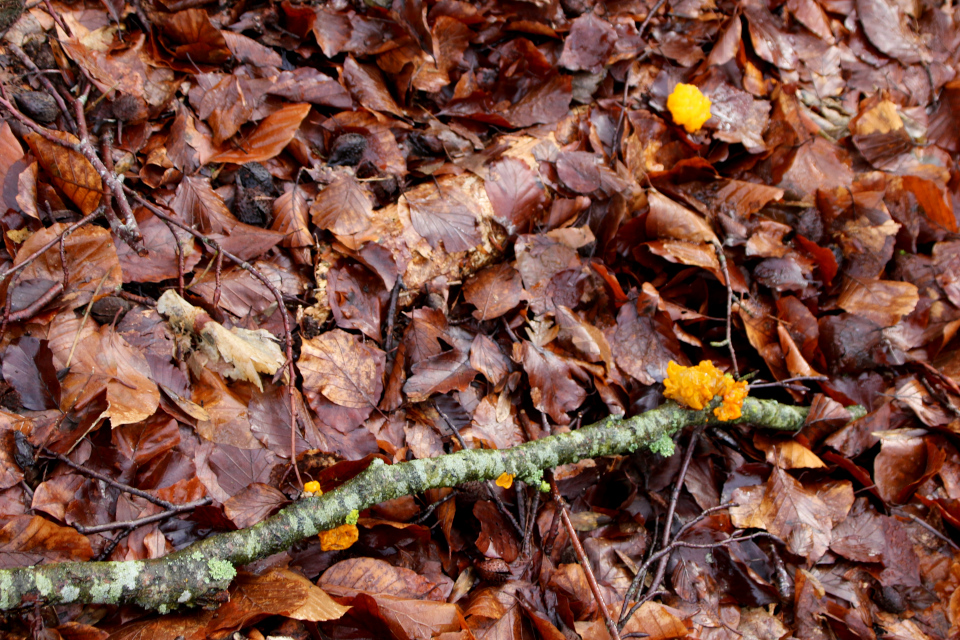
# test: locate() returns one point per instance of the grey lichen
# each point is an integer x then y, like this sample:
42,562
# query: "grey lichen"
69,593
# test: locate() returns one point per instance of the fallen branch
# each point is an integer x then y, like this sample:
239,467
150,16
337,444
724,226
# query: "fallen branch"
198,573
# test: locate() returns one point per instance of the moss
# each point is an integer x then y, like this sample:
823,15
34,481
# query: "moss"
352,517
663,446
221,570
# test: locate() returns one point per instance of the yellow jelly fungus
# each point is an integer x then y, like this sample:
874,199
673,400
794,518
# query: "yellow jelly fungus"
689,107
340,538
695,387
312,487
505,480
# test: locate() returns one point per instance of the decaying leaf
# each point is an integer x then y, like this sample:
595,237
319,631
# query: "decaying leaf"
249,353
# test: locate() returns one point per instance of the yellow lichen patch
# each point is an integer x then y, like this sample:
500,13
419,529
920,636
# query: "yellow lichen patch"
505,480
340,538
313,488
689,107
695,387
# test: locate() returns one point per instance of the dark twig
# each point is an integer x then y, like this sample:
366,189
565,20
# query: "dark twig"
490,490
721,256
132,524
36,305
149,497
584,561
281,308
667,530
130,230
432,507
929,527
785,382
45,81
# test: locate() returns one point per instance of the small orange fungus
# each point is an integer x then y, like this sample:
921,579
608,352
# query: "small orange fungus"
312,487
505,480
340,538
695,387
689,107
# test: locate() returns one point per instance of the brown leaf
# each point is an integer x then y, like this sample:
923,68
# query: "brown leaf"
198,204
494,291
342,207
370,575
162,241
448,216
345,370
515,193
486,357
106,362
92,263
26,540
785,508
889,30
553,382
276,592
442,373
252,504
69,171
639,349
306,84
11,155
236,469
589,44
250,51
357,299
881,301
368,87
547,103
269,138
191,37
667,219
497,539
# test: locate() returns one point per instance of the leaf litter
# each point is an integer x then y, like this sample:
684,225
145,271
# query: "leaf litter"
473,225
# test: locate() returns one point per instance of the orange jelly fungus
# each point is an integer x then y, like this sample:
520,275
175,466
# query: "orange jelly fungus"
689,107
695,387
340,538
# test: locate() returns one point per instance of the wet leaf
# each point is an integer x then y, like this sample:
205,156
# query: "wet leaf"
345,370
69,170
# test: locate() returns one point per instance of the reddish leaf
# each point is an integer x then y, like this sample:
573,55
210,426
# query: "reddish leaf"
447,216
494,291
345,370
442,373
342,207
588,45
515,193
269,138
69,170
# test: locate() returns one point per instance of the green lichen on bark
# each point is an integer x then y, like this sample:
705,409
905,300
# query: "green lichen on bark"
195,574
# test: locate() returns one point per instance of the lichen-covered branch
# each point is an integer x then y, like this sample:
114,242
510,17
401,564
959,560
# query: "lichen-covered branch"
198,574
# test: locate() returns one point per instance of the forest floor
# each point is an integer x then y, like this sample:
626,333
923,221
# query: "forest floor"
407,229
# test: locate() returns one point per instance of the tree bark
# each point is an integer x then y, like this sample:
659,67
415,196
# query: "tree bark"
198,574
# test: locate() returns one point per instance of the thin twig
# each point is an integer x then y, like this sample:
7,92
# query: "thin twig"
929,527
45,81
160,502
667,530
132,524
584,561
281,308
721,256
786,381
